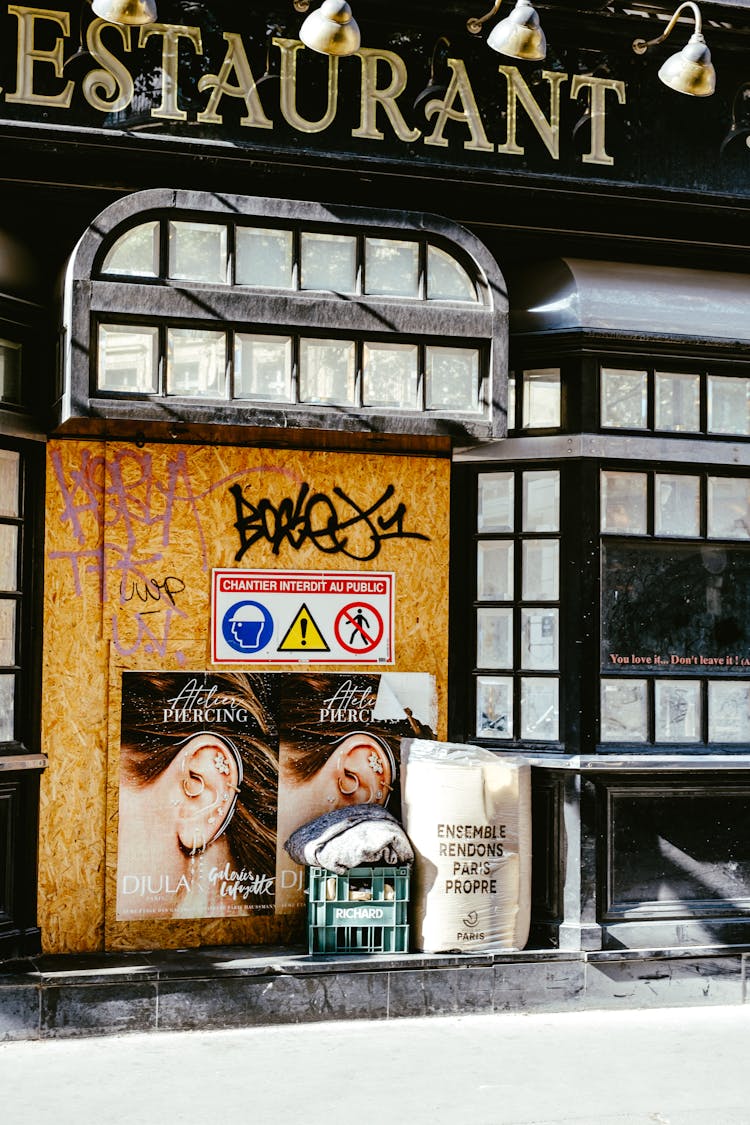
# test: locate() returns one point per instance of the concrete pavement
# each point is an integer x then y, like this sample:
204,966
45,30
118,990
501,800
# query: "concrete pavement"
680,1066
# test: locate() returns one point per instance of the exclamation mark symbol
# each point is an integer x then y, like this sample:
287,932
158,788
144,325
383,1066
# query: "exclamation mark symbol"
303,627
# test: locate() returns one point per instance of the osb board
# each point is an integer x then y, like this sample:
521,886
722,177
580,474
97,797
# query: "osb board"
132,536
72,809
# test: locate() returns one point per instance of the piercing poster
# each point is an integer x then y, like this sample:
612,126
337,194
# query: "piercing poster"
217,769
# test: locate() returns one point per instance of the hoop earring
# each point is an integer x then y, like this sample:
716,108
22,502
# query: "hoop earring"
349,792
192,785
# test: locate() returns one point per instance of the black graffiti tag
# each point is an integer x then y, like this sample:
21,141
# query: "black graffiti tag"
313,516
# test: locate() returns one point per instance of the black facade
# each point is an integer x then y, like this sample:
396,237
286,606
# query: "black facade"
616,656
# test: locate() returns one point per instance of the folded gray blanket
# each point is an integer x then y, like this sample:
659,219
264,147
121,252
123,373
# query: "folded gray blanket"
360,836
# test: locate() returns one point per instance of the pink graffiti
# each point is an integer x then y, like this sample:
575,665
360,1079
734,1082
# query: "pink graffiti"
108,503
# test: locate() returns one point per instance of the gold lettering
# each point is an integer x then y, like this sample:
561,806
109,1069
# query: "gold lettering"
171,34
29,54
235,61
597,112
518,91
111,88
459,87
372,97
288,98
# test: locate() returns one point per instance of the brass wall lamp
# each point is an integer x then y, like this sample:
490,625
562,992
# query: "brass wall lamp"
519,35
331,29
689,71
126,13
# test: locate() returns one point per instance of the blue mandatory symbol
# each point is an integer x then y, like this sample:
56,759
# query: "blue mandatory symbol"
247,627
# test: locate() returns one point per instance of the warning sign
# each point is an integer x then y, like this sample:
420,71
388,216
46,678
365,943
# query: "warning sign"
303,635
302,617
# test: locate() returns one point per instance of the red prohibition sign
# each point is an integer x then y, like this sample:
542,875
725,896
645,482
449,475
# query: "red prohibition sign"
364,625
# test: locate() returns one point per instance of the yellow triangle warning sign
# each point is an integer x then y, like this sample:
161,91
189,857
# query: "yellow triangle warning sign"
303,635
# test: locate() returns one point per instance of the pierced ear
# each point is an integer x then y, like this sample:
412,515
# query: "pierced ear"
208,780
362,771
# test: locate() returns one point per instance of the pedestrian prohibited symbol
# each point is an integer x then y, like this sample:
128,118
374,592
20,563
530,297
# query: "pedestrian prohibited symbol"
358,627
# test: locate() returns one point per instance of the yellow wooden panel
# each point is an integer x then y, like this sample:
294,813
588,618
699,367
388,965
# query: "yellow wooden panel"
132,537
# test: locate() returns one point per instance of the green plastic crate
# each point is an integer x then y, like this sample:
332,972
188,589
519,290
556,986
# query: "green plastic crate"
338,923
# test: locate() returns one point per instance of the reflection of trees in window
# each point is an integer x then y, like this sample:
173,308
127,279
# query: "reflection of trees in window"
683,600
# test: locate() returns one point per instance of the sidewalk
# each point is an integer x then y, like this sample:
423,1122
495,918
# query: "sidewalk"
686,1066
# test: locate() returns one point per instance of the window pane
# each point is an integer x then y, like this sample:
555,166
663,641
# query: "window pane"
7,633
327,371
728,711
264,258
495,570
10,372
495,502
624,503
494,707
7,699
677,405
541,570
198,252
540,716
446,279
728,405
728,508
329,261
539,639
541,398
678,710
390,375
10,464
8,557
677,604
541,501
512,403
495,638
391,267
677,505
624,398
452,378
136,253
128,359
196,363
263,367
624,711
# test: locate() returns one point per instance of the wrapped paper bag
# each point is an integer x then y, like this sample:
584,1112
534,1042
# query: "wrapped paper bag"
467,813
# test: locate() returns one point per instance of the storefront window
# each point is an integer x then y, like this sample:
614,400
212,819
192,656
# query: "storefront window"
329,262
136,253
624,710
264,258
391,267
728,508
198,252
676,505
624,398
263,367
729,406
517,568
10,372
196,363
452,379
541,399
327,371
677,402
446,279
128,358
624,503
390,373
10,589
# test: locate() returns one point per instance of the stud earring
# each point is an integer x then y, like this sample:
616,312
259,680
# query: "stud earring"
220,763
375,763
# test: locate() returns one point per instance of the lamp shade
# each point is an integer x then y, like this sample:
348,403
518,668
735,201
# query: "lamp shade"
127,13
331,29
519,35
690,71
